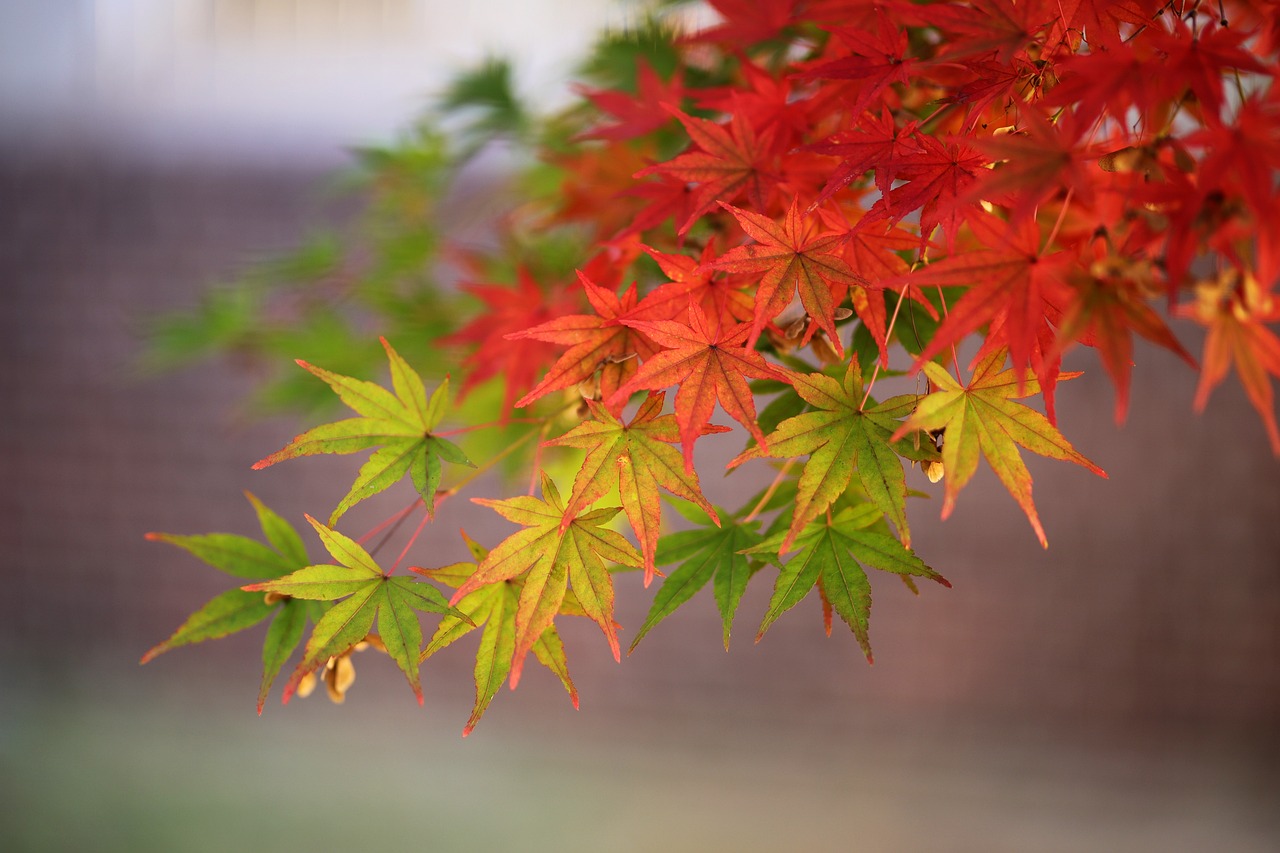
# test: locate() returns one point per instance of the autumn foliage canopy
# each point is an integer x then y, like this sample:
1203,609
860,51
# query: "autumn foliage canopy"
782,229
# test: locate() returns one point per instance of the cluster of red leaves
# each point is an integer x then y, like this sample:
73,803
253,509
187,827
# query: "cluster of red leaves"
1044,167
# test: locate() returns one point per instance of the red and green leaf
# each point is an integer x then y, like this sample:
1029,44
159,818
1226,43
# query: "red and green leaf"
363,593
548,557
709,364
982,419
635,458
494,606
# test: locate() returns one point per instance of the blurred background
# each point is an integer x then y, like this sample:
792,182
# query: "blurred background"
1120,691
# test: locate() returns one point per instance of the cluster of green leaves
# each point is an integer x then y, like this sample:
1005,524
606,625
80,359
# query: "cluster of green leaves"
780,216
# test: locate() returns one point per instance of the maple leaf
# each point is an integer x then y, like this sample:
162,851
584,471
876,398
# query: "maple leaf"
1234,307
693,281
365,593
831,550
708,553
875,253
937,176
401,423
1101,19
508,309
841,437
551,557
747,22
1009,279
635,458
494,606
637,114
791,261
877,144
708,364
1040,160
597,342
877,59
731,162
981,418
1106,307
236,609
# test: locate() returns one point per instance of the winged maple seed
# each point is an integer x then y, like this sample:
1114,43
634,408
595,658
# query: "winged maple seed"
339,671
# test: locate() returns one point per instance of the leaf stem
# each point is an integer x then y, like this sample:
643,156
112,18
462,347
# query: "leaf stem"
1057,226
955,356
768,493
395,521
426,516
888,333
491,424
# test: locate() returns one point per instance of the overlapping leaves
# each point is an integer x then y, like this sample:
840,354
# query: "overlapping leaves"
831,554
843,436
364,593
549,556
495,606
238,609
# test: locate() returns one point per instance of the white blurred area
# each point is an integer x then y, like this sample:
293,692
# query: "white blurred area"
257,80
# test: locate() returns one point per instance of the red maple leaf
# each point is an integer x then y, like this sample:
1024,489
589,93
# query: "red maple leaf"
637,114
1009,278
1106,308
877,58
792,260
746,22
877,144
1235,307
937,177
732,162
1039,160
708,364
597,342
508,309
725,302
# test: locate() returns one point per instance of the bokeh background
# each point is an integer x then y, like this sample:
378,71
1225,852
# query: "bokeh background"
1120,691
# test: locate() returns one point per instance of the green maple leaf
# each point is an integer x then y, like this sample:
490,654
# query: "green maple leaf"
842,437
366,593
704,554
831,550
494,606
401,423
636,458
982,419
551,556
238,609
